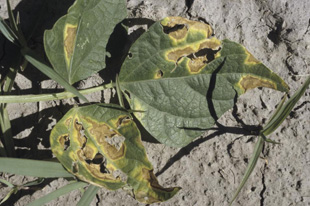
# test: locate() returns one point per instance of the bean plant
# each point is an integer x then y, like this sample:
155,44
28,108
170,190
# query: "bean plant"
177,80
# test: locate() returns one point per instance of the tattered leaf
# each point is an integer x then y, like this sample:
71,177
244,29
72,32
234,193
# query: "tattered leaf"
185,79
102,145
76,45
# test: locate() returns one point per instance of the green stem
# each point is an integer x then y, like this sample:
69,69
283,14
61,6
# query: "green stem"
49,97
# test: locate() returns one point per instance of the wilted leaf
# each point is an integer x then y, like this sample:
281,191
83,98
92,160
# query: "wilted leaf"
101,144
76,46
185,79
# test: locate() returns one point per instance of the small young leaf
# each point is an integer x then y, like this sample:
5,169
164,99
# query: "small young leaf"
13,190
11,17
88,195
98,144
34,182
283,111
6,130
15,26
7,31
34,168
185,78
276,119
76,46
257,151
6,183
57,193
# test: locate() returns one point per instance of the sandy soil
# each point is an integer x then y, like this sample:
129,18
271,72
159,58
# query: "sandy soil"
210,168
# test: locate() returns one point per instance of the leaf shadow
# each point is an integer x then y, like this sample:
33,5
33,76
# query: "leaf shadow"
39,126
220,130
119,45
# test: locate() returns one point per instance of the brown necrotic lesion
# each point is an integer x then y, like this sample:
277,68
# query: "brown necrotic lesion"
197,53
64,141
111,141
250,82
69,41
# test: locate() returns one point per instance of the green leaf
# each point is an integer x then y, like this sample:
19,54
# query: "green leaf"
102,145
185,78
7,183
11,17
6,130
34,168
15,26
257,151
284,110
34,182
13,190
7,31
31,57
57,193
76,45
5,122
88,195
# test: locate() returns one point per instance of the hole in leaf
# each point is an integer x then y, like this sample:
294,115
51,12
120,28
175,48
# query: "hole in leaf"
122,120
127,94
209,53
98,159
116,141
129,55
119,174
103,168
65,142
176,27
82,137
159,74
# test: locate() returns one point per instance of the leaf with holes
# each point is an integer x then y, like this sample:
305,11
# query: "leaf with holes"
76,45
101,144
185,79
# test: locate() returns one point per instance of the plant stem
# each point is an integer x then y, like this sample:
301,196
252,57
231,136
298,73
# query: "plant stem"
52,96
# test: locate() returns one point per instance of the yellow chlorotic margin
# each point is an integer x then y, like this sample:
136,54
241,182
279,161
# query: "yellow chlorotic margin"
176,53
250,59
181,34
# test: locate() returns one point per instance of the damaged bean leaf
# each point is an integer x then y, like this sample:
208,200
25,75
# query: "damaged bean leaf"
185,79
101,144
76,45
